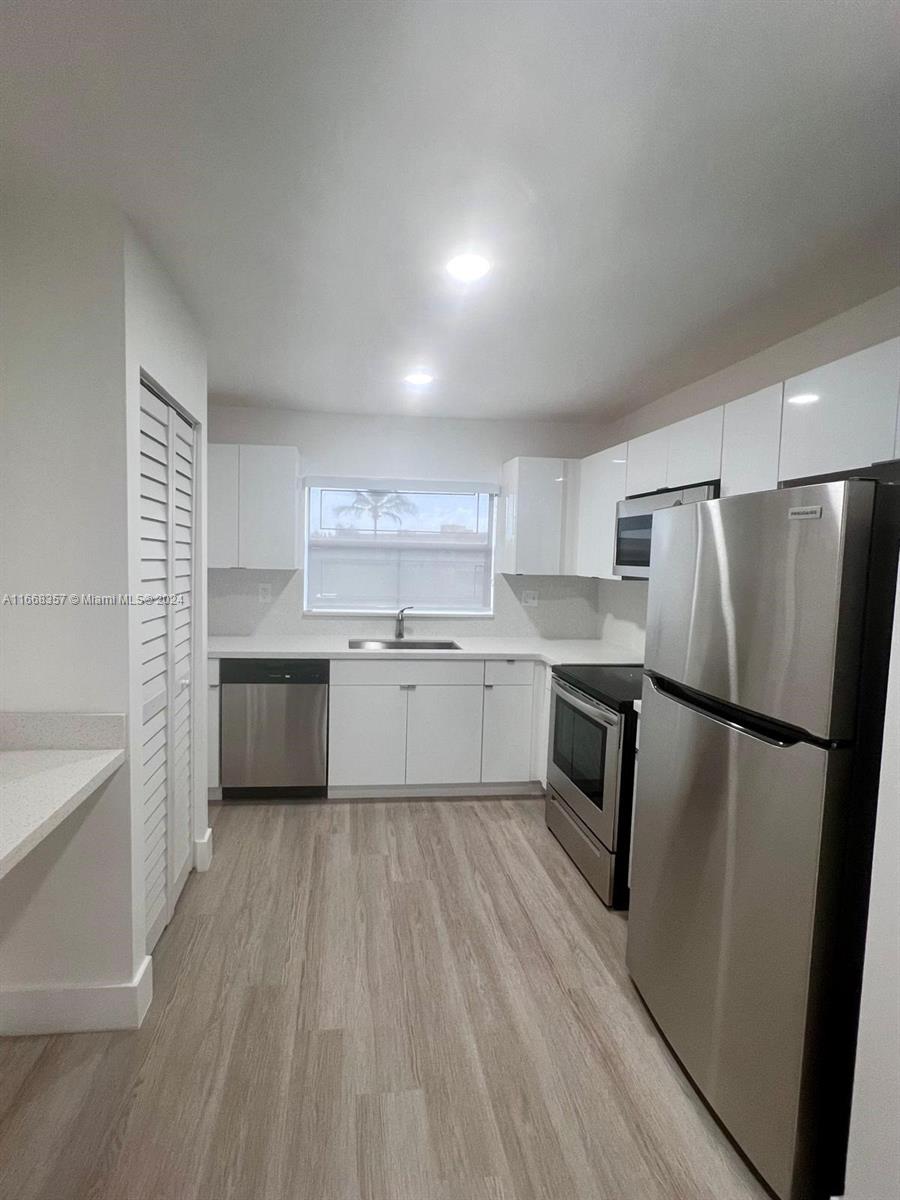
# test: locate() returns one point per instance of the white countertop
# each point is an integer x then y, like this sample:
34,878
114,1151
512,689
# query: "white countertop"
547,650
38,790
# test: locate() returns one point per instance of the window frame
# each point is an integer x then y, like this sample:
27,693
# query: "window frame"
463,487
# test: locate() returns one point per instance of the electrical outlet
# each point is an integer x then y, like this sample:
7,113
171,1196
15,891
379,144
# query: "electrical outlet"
529,599
265,593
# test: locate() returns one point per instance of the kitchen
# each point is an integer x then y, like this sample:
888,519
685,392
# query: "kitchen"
402,787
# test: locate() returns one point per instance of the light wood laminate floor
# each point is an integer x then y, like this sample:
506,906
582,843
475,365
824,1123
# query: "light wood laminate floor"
409,1001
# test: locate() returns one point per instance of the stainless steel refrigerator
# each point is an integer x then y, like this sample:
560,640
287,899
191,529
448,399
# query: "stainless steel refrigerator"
750,830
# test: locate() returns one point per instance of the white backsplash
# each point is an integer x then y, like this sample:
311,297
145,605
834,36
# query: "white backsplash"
568,607
622,607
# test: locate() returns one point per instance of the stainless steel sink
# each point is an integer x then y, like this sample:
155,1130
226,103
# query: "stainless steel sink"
398,644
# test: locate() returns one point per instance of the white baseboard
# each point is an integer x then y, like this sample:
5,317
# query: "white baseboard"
455,792
83,1009
203,851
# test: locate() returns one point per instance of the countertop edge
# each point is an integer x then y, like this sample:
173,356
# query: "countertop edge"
44,828
620,654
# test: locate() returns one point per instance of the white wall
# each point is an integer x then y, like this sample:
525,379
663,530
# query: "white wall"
83,307
873,1163
866,325
62,482
62,500
567,607
411,447
407,447
163,339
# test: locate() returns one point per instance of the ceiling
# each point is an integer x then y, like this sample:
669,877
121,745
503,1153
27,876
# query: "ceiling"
663,186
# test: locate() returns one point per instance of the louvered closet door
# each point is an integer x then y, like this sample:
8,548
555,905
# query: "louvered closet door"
182,647
156,507
167,529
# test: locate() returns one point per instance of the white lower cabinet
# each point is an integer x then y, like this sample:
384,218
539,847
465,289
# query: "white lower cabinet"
540,723
506,741
367,735
212,737
424,723
443,734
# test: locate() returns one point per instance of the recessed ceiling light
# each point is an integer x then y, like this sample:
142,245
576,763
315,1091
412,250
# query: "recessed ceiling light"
419,378
803,398
468,267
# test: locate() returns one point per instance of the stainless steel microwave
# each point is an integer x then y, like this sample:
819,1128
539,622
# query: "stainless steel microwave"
634,526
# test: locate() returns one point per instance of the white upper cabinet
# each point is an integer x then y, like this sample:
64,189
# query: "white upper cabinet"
695,449
648,461
533,510
269,526
842,415
254,507
751,438
690,451
222,505
601,487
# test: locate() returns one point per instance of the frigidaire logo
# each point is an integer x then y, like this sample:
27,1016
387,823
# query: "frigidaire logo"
809,512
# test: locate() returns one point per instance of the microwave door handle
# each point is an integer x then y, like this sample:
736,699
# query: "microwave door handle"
585,706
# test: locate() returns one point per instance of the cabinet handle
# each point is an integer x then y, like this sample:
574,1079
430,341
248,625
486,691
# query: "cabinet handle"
407,687
488,685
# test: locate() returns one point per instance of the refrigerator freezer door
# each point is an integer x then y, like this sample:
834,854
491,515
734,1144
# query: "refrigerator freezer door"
757,600
724,885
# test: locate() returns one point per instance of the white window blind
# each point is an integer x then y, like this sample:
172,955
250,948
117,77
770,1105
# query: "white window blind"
374,546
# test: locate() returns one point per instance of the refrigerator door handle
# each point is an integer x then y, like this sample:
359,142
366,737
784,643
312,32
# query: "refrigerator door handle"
725,714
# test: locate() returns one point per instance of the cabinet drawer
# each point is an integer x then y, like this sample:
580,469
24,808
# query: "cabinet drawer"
508,671
415,671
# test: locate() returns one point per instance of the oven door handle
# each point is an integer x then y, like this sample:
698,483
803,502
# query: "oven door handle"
589,708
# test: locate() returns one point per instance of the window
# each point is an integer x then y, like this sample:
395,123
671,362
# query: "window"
373,546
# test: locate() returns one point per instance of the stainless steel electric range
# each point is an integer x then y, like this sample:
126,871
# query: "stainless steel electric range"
590,773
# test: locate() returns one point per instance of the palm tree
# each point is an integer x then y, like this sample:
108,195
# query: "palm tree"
378,506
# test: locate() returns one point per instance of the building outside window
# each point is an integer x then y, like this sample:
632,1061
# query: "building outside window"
373,546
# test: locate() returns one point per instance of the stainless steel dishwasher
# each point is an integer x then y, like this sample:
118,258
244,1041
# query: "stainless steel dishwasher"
274,728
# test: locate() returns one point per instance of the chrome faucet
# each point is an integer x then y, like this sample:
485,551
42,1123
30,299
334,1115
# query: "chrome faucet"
398,627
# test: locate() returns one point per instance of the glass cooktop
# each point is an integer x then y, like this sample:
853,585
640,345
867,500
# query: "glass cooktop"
615,686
